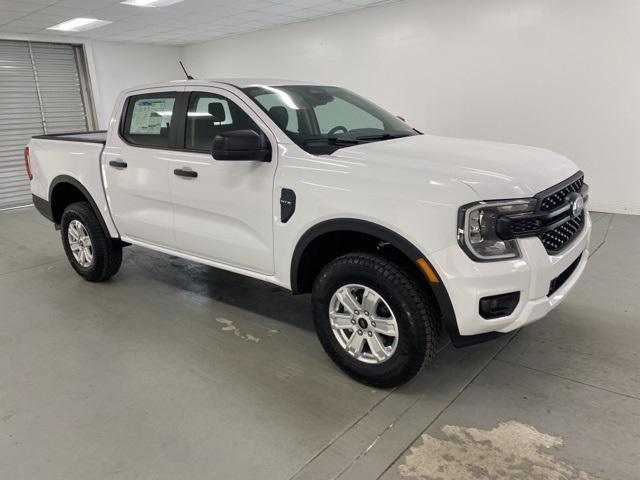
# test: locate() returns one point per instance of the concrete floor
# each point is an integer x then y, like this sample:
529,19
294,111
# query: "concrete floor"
174,370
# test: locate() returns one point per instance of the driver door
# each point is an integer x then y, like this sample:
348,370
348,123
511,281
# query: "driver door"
223,210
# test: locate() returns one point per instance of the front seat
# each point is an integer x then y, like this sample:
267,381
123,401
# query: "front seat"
280,116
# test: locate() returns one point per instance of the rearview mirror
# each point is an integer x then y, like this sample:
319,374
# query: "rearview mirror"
241,145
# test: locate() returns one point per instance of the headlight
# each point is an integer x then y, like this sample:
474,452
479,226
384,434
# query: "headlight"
477,229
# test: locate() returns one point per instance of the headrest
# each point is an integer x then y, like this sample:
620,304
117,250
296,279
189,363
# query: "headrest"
280,116
216,110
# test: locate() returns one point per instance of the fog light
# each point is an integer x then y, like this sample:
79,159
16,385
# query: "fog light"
499,305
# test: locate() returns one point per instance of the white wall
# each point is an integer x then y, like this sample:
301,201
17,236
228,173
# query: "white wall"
115,66
561,74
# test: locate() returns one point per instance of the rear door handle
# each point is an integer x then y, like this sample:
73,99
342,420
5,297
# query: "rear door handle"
181,172
118,163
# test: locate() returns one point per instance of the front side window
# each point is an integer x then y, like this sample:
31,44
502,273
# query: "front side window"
148,119
210,114
323,119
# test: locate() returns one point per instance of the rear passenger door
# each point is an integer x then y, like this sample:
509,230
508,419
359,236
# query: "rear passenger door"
224,214
136,163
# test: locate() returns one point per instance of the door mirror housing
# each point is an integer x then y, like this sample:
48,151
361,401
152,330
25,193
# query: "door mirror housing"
241,145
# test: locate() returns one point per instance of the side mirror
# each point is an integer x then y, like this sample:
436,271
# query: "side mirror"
241,145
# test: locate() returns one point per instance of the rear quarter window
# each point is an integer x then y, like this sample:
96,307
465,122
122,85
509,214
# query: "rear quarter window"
148,119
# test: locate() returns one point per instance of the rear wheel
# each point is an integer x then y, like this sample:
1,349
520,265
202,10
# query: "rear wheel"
373,319
92,253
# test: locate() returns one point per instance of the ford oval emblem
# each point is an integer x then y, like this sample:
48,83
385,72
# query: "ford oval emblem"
577,204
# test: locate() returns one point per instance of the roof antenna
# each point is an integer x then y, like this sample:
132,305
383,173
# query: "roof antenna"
189,77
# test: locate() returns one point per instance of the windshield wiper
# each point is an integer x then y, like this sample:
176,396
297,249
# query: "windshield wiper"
381,136
332,141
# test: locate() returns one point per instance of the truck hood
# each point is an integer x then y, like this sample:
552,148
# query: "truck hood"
493,170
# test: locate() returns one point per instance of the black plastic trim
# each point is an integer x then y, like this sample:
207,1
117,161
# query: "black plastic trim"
558,186
561,279
460,341
287,204
43,206
353,225
180,132
515,301
67,179
118,164
59,137
559,215
180,172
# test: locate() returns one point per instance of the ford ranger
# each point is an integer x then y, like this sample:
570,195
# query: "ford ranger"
397,235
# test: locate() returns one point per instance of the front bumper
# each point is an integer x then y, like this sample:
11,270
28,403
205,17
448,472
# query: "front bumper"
466,282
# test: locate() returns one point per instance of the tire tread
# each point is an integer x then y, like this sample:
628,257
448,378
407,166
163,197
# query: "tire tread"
426,316
107,251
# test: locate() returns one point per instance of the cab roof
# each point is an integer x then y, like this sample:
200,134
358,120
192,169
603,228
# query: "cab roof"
243,82
268,82
235,82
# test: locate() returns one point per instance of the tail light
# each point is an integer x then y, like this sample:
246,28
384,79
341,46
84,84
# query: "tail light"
27,163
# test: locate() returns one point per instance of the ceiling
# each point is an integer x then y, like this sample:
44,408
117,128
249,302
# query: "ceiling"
189,21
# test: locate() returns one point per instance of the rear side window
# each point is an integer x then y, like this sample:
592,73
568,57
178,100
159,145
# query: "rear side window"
148,119
210,114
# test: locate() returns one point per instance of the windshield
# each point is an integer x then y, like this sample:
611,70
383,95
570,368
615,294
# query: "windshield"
323,119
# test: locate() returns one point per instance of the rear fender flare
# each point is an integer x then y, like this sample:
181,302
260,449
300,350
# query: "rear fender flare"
60,179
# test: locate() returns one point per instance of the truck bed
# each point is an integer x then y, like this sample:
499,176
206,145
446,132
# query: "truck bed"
73,158
97,136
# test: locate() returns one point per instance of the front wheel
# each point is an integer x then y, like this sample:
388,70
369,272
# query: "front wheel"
92,253
373,320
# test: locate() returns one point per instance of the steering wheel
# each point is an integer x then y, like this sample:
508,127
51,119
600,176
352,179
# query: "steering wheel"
335,130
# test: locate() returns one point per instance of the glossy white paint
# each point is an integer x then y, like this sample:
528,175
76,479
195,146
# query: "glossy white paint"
80,161
493,170
226,213
139,195
228,217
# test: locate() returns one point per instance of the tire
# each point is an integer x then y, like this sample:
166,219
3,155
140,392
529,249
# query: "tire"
400,297
106,253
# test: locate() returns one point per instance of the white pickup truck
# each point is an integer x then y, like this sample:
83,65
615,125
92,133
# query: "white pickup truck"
397,235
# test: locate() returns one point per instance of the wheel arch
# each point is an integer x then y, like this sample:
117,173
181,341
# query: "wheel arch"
344,225
65,190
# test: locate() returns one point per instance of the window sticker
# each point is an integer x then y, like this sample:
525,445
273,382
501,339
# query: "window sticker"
151,115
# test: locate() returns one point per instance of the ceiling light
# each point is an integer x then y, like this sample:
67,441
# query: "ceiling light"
79,25
150,3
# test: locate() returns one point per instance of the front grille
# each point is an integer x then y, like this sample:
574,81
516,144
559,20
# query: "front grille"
555,240
560,280
557,198
525,225
552,221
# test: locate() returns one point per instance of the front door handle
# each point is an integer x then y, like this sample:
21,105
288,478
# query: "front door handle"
118,163
181,172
